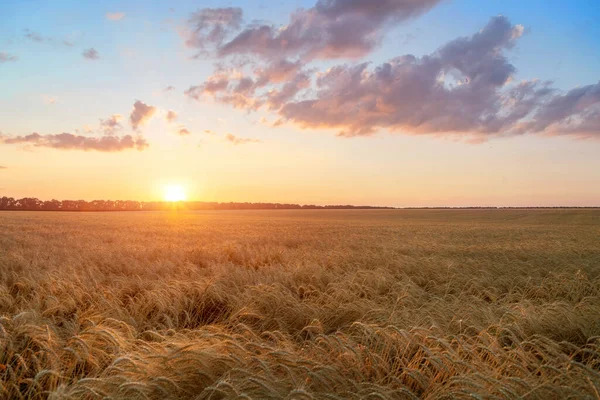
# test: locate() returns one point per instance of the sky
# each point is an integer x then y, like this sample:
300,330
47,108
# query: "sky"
379,102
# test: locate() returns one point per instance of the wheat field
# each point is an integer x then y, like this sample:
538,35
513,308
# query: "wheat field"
394,304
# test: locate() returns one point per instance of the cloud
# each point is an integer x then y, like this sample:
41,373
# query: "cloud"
141,114
38,38
48,100
210,26
87,129
459,88
331,29
91,54
238,140
34,36
115,16
465,88
3,167
183,131
68,141
171,116
169,88
5,57
575,112
111,124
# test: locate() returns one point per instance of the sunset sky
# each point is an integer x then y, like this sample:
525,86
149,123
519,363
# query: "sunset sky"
380,102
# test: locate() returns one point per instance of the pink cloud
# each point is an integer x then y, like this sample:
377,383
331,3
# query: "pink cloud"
141,114
111,124
115,16
68,141
238,140
171,116
183,131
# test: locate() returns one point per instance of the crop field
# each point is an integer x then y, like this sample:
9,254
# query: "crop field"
385,304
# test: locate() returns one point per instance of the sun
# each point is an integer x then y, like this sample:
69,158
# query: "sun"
174,193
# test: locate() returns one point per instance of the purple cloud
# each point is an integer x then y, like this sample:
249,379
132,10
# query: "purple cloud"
466,87
329,30
210,26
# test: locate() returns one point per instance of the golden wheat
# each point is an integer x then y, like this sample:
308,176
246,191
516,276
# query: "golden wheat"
301,305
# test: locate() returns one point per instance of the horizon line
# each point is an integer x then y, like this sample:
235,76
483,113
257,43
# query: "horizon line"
38,205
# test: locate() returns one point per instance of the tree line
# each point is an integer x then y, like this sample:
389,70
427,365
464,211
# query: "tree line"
34,204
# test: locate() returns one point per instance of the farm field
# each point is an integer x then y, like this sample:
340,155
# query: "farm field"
382,304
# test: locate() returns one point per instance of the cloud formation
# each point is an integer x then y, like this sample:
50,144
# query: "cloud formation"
115,16
466,87
210,26
183,131
91,54
238,140
5,57
68,141
38,38
34,36
141,114
3,167
171,116
110,125
331,29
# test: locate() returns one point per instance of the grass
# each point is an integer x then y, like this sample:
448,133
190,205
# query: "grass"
301,305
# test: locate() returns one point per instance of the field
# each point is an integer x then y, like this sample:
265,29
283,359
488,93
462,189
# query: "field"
300,304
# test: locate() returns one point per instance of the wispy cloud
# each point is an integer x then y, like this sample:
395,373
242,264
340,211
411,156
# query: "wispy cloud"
171,116
112,124
39,38
68,141
91,54
34,36
115,16
5,57
3,167
238,140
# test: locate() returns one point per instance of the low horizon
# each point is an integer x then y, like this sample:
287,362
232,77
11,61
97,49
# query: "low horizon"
396,102
268,204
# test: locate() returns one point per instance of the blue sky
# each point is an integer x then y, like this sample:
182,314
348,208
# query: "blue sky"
51,88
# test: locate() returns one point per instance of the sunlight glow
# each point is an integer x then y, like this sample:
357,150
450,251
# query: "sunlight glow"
174,193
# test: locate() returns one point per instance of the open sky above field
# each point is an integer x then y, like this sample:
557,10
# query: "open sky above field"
381,102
